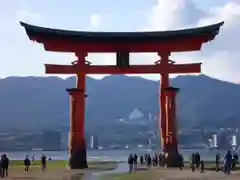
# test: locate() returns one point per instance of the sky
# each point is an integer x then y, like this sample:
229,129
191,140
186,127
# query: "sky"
21,57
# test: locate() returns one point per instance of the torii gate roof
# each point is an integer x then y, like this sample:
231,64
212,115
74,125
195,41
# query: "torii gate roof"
177,40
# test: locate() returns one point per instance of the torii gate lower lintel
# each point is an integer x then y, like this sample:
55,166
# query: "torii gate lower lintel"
82,43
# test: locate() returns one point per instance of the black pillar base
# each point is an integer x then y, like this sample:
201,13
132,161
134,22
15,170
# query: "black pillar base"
173,159
78,159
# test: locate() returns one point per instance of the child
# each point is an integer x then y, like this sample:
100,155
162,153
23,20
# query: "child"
202,167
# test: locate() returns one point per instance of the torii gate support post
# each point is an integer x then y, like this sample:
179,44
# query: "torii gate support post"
171,144
162,101
78,153
167,117
77,145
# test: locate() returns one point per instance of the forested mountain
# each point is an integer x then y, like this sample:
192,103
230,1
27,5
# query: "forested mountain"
40,102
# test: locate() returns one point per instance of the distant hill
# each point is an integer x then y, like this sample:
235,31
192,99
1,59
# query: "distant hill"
40,102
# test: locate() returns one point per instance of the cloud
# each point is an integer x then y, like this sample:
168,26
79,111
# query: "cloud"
28,17
220,57
95,20
172,14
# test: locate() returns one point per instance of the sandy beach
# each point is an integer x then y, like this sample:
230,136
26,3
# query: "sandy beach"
156,174
37,174
175,174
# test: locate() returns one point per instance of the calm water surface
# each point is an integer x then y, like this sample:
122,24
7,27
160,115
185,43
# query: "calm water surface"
110,155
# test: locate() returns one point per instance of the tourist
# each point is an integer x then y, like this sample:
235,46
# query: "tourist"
135,160
4,165
153,161
163,160
217,162
1,166
160,159
149,161
197,159
166,160
146,158
181,162
26,164
193,162
156,159
228,162
43,162
130,162
33,158
141,160
235,161
202,166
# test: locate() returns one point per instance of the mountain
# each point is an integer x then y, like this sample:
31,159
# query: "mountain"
40,102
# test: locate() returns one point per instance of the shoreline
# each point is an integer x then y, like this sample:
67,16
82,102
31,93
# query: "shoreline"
107,170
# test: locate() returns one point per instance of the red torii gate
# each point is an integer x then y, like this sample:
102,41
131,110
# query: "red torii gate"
122,43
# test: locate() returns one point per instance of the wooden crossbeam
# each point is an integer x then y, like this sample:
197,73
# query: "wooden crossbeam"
133,69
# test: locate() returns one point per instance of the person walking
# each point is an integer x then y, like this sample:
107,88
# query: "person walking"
43,162
202,166
27,163
4,165
228,162
217,162
193,162
130,162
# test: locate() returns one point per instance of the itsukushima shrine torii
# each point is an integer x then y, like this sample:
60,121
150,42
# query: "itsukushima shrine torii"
122,43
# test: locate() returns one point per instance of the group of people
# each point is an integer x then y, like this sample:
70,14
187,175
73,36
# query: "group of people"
196,162
4,164
27,163
132,161
161,159
155,160
229,162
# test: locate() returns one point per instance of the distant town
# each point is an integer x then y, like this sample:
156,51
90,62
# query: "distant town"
58,139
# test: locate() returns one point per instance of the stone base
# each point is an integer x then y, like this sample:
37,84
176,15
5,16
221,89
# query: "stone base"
173,160
78,159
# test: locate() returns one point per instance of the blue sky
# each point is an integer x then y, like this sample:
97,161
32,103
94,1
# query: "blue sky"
21,57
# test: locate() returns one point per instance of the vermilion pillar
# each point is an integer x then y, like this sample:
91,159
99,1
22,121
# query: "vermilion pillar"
77,149
163,115
171,146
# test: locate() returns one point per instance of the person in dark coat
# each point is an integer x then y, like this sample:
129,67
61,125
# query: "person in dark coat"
43,162
217,162
141,160
160,160
197,160
193,162
135,160
4,165
146,158
181,163
228,162
130,162
234,161
1,165
27,163
149,161
202,167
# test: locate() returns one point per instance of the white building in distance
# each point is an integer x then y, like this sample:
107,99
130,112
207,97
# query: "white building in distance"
136,114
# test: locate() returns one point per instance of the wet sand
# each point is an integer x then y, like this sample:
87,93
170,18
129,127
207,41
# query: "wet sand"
156,174
37,174
175,174
169,174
